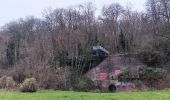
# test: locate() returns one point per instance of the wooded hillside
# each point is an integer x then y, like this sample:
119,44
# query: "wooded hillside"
40,47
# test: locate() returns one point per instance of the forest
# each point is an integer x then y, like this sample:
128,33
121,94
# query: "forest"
42,47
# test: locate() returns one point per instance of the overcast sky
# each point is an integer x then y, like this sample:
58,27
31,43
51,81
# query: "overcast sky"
14,9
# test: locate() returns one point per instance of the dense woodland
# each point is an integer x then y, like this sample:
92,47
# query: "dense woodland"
40,48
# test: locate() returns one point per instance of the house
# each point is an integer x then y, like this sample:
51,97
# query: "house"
110,68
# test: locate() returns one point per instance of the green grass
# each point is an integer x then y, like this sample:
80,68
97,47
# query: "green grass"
61,95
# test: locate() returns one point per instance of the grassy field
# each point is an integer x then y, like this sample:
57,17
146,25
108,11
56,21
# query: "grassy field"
61,95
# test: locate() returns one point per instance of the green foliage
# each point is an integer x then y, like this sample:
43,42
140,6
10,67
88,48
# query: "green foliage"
137,83
156,55
150,75
29,85
152,57
84,84
127,74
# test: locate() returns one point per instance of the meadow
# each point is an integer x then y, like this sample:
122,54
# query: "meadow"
65,95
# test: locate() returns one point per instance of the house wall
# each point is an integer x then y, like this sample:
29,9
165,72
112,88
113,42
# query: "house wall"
113,66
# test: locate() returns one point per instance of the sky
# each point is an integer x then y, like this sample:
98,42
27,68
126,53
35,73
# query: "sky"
14,9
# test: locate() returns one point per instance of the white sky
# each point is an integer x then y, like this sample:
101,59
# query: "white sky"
14,9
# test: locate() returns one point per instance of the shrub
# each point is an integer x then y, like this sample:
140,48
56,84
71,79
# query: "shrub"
55,82
123,77
29,85
18,74
126,75
19,77
7,82
84,84
137,83
150,75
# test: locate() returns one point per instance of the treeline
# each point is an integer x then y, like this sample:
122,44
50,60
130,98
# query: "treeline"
34,46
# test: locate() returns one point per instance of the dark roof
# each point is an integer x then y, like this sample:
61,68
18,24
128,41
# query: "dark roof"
96,48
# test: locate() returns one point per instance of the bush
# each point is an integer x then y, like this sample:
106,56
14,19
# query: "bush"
55,82
127,75
18,74
137,83
7,82
84,84
150,75
29,85
123,77
19,77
